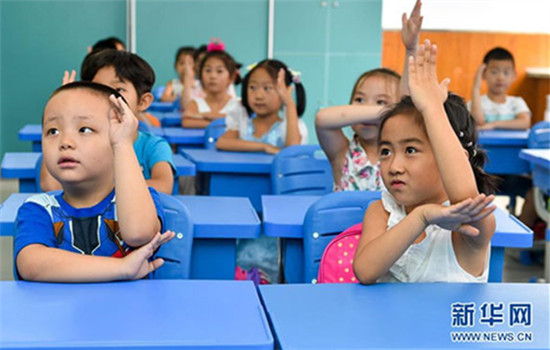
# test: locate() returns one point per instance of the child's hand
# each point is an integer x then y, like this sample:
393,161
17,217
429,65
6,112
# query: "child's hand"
123,123
479,76
410,29
188,71
269,149
425,90
136,264
68,78
487,126
285,92
457,216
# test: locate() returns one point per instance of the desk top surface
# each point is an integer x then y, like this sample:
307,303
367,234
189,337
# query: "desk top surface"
145,314
212,217
503,137
283,216
181,136
404,316
20,164
539,157
232,162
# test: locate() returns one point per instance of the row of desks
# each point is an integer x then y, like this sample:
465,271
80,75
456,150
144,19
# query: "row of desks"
177,314
235,218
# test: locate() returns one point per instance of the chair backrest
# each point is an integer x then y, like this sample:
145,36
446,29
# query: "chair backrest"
326,218
539,135
299,170
336,264
177,252
213,132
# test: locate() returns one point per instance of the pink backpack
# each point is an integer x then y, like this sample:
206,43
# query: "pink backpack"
336,263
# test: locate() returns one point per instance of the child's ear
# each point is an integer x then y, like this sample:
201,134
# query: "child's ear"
145,101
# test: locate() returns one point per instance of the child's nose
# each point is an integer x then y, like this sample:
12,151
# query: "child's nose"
66,142
396,165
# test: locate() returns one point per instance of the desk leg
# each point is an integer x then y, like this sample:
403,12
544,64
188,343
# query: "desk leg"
496,264
241,185
213,259
293,258
28,186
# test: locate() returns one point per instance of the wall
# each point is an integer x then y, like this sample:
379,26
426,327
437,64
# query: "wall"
461,53
38,41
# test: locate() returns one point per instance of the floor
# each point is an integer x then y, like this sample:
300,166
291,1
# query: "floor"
514,270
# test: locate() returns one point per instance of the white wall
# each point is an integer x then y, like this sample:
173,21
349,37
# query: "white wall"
512,16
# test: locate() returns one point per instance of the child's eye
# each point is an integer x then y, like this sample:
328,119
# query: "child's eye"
252,87
382,102
85,130
52,131
119,90
384,152
268,88
359,100
410,150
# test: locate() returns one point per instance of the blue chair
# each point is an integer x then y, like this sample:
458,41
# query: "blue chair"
327,218
297,171
213,132
539,135
177,252
158,91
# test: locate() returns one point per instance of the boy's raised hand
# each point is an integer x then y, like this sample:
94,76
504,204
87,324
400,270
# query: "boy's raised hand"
136,265
410,29
68,77
479,76
285,92
457,217
123,123
425,90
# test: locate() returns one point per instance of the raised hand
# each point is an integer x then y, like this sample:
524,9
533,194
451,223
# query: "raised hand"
410,29
285,92
479,76
68,78
425,90
188,70
123,123
457,217
136,265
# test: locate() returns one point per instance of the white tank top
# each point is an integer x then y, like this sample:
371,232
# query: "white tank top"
431,260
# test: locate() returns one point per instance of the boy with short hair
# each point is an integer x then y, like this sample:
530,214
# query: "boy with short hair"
497,110
85,233
133,77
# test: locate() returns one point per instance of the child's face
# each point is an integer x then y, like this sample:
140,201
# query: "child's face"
499,75
407,163
183,59
215,76
75,139
262,93
107,76
374,91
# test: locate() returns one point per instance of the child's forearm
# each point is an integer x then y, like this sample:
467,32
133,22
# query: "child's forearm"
337,117
521,123
452,160
293,136
404,82
475,108
137,215
379,255
194,123
40,263
238,145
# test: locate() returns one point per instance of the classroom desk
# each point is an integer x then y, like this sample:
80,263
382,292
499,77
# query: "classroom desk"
24,166
503,147
217,223
283,216
184,137
158,106
33,133
168,119
233,174
407,316
145,314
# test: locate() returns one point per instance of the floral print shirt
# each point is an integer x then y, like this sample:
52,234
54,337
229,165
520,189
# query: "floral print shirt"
358,173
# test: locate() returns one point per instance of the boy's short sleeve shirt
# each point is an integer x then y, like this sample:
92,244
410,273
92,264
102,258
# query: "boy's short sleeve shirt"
151,149
49,220
503,111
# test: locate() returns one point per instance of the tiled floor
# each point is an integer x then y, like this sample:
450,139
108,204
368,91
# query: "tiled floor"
514,270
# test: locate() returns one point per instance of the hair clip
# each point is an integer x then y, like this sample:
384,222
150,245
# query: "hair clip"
460,134
251,66
474,152
469,144
215,44
295,76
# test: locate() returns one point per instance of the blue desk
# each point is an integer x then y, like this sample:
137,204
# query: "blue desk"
217,223
233,174
404,316
145,314
158,106
168,119
184,137
33,132
503,147
283,216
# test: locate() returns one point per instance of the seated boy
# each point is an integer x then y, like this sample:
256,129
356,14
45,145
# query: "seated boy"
497,110
133,78
86,233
